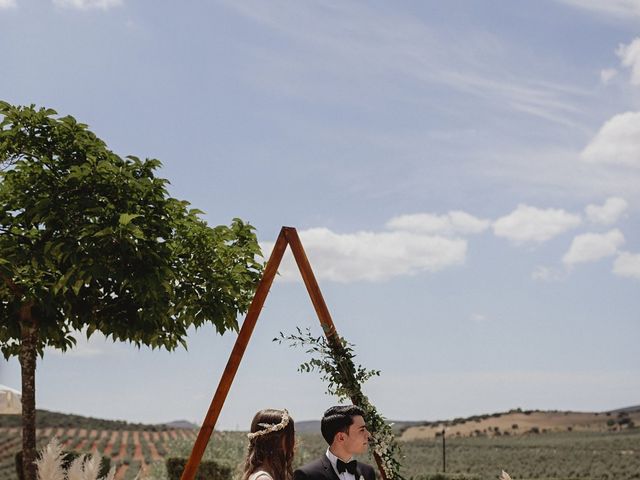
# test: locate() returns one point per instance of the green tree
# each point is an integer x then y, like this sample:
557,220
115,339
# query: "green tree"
90,241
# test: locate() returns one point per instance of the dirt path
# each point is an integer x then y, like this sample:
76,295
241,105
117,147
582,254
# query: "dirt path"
122,470
82,444
108,449
137,453
94,436
123,446
153,451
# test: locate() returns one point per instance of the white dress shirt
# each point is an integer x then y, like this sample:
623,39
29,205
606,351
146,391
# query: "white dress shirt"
334,460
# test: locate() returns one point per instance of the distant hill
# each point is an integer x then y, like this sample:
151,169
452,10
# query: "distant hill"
181,424
308,426
47,419
517,422
514,421
313,426
627,409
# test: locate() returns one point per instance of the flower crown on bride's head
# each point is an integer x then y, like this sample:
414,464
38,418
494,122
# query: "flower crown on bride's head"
271,427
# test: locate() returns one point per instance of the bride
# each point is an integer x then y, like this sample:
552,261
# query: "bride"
271,446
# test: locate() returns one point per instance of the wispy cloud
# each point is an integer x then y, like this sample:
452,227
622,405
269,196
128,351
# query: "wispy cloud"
590,247
88,4
6,4
607,75
548,274
528,224
558,175
619,8
630,58
355,44
584,390
478,317
373,256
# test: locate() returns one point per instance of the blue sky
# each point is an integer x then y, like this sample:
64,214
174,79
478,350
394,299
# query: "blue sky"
465,177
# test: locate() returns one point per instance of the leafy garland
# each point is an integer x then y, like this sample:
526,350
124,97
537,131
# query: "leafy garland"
335,364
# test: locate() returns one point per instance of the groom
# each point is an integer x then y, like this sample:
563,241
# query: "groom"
344,430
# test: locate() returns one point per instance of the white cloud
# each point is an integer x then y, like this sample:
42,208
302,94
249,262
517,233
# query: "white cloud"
371,256
630,57
529,224
547,274
8,4
617,142
627,265
455,222
590,247
607,75
88,4
620,8
608,213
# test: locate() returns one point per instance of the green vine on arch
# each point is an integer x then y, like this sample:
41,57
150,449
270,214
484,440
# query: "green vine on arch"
335,363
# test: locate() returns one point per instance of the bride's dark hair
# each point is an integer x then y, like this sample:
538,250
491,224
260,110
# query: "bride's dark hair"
273,451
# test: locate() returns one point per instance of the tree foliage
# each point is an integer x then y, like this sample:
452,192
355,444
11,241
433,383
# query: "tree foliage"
93,240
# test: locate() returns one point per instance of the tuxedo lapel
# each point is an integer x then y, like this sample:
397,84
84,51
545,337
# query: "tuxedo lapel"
359,474
329,472
365,472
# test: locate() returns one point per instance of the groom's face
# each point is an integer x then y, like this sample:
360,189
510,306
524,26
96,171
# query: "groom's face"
356,441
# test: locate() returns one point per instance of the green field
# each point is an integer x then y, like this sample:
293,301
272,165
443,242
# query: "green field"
548,456
570,455
553,455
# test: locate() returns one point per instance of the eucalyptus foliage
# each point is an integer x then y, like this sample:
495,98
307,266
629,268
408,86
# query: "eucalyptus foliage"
335,363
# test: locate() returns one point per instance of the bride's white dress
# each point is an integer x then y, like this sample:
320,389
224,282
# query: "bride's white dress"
260,473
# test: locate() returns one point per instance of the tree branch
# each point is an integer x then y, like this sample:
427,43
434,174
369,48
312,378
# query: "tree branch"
17,291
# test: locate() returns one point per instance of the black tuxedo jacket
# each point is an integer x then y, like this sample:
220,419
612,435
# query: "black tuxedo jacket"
321,469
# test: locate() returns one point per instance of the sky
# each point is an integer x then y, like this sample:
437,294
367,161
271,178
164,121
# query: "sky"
464,175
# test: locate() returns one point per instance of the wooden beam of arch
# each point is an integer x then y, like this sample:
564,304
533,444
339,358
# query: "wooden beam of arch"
288,236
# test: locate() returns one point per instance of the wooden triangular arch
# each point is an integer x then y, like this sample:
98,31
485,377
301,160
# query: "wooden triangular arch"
288,236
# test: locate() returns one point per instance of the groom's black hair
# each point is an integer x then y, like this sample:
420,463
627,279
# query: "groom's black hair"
338,419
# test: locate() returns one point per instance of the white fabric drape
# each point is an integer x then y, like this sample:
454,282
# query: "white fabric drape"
10,401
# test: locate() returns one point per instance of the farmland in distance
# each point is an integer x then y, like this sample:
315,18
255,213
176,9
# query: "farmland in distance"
530,454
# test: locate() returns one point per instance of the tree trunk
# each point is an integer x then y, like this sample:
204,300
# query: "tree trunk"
28,353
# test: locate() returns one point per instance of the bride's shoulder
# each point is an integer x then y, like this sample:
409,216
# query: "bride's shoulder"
260,475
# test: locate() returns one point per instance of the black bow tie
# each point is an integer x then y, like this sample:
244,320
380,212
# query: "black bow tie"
351,467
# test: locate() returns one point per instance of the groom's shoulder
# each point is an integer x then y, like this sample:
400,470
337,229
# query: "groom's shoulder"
367,470
311,468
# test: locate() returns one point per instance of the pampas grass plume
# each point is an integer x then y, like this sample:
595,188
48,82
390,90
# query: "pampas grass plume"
91,468
112,473
504,476
49,464
75,469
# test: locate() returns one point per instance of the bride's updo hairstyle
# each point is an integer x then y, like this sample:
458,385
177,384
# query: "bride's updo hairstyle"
271,444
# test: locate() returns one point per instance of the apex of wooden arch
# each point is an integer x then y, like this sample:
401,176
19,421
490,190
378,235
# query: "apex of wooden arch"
288,236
